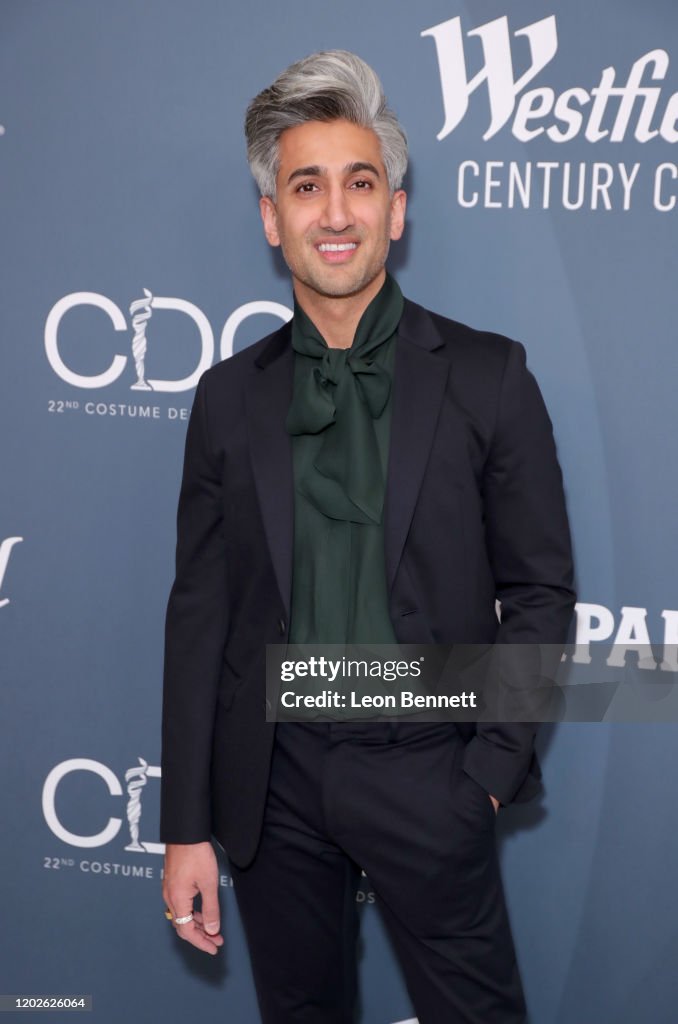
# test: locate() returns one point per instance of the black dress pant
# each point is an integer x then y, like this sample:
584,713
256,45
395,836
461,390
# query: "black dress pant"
391,799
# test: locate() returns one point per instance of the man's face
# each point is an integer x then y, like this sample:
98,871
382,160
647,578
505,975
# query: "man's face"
333,215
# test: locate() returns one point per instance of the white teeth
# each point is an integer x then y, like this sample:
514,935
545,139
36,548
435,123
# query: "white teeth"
336,247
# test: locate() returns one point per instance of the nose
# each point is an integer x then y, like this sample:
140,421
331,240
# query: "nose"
337,212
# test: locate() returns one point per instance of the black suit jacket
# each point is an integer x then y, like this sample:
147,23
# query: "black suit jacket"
474,512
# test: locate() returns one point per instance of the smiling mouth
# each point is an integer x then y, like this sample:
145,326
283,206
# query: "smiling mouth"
337,246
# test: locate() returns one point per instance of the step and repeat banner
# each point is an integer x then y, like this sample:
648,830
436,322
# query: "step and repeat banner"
544,205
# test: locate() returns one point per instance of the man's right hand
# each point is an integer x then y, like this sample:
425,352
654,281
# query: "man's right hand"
191,869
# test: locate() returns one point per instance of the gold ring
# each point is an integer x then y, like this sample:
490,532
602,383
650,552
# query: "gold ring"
169,915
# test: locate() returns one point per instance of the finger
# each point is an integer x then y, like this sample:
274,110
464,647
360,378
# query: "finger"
193,931
210,910
169,908
179,898
200,922
166,898
194,934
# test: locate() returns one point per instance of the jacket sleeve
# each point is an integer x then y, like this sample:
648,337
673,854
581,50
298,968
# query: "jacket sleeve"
528,542
195,633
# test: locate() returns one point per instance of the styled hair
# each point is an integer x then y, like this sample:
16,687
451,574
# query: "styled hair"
326,86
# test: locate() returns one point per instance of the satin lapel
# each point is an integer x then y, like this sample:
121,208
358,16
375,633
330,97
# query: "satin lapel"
419,383
268,398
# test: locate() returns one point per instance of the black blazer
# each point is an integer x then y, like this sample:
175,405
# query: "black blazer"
474,512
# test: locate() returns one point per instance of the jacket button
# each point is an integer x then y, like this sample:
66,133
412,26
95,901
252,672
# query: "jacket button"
282,626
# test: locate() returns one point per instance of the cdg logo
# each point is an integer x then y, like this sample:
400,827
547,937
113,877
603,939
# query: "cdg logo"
141,311
135,778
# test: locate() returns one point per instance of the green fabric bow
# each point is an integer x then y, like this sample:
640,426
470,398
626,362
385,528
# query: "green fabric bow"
342,393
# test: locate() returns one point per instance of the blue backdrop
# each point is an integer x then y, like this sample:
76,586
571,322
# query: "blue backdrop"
543,203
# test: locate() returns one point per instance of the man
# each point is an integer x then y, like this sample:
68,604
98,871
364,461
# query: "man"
369,472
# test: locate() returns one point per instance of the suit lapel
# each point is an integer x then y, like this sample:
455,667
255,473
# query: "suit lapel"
268,398
420,378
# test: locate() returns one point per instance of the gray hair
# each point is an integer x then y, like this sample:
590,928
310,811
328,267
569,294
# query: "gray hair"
325,86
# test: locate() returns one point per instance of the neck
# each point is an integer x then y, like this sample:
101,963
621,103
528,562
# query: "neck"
337,319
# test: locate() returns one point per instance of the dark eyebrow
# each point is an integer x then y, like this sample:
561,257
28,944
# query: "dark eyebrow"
306,172
315,171
362,165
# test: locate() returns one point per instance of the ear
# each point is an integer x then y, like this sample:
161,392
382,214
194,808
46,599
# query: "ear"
269,216
398,205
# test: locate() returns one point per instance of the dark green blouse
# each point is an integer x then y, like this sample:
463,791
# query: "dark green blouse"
340,419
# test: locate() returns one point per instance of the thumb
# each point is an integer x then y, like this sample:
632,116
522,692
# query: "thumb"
210,914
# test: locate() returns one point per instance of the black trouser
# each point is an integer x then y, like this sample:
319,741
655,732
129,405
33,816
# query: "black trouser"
393,800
